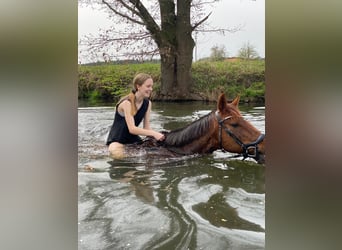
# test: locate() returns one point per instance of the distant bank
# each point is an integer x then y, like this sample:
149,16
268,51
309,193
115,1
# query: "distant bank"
109,81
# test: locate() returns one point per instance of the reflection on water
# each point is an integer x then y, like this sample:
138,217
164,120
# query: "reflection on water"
200,202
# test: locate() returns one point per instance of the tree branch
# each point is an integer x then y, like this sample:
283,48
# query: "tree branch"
148,20
129,8
121,14
221,30
200,22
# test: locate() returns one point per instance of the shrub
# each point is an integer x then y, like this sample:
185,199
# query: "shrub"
110,82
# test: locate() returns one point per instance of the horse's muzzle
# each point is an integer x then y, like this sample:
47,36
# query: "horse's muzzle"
261,159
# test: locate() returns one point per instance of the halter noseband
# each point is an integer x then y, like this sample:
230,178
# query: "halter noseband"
245,147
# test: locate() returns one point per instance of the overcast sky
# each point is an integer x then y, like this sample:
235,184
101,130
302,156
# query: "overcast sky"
250,14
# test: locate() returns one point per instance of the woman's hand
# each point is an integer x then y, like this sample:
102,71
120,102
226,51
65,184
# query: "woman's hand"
159,136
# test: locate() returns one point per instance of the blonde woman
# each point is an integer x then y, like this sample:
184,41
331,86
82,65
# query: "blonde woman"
131,110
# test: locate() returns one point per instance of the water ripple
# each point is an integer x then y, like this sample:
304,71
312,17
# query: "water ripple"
198,202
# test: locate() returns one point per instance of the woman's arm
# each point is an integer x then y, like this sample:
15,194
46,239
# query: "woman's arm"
126,106
147,116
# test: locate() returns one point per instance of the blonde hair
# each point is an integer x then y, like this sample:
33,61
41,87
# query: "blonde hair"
138,80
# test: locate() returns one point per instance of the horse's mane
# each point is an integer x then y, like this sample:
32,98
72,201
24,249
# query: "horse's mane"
189,133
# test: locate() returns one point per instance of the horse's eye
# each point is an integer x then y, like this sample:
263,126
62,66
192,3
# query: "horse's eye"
234,125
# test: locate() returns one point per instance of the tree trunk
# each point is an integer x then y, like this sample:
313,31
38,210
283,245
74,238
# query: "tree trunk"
167,49
176,49
168,74
184,50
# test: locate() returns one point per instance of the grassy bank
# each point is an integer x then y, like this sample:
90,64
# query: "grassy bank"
108,82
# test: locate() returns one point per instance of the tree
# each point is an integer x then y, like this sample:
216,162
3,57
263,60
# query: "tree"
218,53
248,52
163,28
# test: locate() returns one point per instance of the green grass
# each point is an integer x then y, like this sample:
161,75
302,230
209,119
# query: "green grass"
108,82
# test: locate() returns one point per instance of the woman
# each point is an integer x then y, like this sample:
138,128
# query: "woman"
130,111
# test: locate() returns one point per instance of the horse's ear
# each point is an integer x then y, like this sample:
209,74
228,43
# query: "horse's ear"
235,102
222,102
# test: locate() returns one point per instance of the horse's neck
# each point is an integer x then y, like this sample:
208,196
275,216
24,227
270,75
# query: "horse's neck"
196,138
203,145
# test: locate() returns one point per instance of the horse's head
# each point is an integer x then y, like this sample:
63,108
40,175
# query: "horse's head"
237,135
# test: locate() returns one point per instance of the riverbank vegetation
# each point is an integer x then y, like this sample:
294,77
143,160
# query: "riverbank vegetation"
108,82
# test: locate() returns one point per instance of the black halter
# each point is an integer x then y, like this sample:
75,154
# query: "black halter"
245,147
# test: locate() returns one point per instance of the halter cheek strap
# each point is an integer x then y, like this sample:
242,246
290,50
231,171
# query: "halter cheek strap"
245,147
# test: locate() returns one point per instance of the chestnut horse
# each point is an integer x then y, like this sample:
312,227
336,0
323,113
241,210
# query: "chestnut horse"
223,129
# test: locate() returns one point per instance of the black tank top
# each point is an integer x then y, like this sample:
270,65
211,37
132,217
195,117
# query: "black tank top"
119,131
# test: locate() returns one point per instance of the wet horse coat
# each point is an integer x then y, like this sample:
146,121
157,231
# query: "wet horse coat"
224,128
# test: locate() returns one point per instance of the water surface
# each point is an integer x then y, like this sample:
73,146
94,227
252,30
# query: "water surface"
193,202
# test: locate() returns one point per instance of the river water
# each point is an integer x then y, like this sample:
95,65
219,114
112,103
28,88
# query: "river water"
197,202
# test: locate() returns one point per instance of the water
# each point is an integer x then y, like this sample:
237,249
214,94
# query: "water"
196,202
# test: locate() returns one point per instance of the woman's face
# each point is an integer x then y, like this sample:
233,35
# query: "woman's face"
146,88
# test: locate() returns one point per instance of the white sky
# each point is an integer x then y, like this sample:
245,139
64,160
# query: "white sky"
250,14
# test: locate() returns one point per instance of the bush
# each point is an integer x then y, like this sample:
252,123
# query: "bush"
110,82
244,78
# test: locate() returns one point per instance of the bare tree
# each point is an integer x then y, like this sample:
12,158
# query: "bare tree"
248,52
161,28
218,53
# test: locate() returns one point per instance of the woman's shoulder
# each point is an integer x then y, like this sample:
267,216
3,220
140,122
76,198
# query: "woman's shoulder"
123,100
124,104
